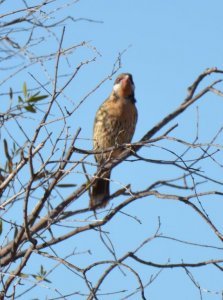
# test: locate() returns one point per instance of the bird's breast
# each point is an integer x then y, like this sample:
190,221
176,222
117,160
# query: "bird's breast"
114,124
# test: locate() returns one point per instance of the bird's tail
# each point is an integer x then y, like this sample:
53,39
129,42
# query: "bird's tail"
100,191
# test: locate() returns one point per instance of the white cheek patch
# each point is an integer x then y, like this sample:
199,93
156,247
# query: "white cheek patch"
116,87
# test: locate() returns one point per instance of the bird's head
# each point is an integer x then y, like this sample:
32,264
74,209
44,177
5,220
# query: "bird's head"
124,85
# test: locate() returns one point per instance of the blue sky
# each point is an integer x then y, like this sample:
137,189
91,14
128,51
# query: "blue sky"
168,44
171,43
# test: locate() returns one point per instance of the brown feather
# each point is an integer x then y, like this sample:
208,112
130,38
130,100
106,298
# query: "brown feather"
114,125
100,191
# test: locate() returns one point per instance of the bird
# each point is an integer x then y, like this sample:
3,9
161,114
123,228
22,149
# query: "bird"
114,125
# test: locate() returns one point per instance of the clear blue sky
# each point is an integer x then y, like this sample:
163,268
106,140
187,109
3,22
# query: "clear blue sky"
169,43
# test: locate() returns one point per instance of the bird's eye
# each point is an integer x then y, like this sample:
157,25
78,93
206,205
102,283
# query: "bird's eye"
117,80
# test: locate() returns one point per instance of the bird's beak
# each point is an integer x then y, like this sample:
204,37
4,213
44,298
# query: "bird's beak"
127,87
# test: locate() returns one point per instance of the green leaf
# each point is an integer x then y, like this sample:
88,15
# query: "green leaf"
9,162
66,185
30,108
24,88
20,99
1,227
42,271
10,93
47,280
23,275
41,275
37,277
36,98
15,232
6,149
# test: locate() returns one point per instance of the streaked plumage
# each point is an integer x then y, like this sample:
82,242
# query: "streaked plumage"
114,125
